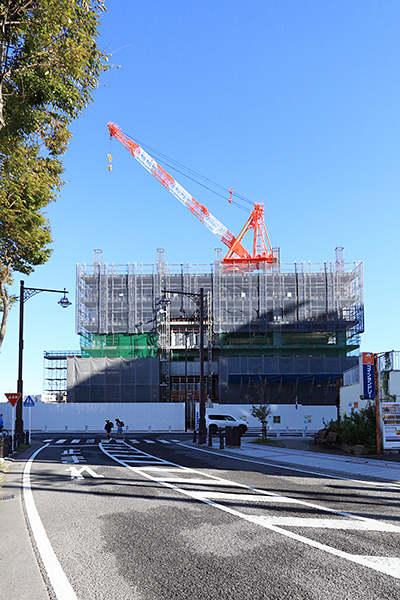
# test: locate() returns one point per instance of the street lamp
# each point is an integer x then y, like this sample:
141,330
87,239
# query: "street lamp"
24,294
186,333
198,299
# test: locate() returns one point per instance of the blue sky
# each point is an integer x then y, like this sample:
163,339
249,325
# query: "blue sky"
291,103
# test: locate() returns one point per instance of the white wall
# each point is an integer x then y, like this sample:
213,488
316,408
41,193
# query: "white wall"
137,416
159,416
304,417
350,399
394,383
350,394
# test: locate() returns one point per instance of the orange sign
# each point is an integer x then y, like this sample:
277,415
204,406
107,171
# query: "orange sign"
368,358
13,398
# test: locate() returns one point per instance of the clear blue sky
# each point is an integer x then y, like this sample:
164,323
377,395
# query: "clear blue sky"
292,103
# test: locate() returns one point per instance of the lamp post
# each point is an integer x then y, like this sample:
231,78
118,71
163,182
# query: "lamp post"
186,333
24,294
198,299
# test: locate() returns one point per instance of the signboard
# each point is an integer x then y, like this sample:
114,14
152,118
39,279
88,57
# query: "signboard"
368,376
390,423
29,401
13,398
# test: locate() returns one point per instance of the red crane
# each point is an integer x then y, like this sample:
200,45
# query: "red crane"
237,255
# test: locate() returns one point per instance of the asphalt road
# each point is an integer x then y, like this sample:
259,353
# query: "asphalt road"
164,520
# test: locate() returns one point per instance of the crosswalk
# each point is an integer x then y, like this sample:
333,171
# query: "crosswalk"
91,441
275,512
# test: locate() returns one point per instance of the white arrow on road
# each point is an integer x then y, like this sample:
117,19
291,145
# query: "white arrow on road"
76,473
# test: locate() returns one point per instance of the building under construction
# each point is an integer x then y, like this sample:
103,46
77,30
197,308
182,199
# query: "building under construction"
250,328
278,333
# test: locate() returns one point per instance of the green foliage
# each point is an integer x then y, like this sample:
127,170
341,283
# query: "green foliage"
49,67
358,428
261,412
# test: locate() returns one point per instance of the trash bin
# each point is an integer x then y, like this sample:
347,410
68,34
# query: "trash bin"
232,437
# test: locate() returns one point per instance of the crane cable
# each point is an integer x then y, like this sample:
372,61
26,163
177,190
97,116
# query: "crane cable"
190,174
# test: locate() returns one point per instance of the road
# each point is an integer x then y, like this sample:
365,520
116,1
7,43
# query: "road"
156,518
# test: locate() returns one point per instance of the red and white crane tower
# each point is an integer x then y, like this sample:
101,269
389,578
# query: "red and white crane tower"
237,256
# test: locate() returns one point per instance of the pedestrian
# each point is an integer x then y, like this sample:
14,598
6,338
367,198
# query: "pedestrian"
120,425
108,426
1,423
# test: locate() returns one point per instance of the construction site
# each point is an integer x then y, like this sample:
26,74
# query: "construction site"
251,328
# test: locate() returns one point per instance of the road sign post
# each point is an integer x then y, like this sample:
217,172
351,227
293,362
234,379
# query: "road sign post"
13,399
29,403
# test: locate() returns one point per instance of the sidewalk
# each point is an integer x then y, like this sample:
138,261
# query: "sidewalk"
304,454
20,574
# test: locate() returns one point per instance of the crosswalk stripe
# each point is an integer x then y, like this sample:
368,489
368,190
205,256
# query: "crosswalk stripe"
141,461
164,441
60,441
75,441
149,441
321,523
250,498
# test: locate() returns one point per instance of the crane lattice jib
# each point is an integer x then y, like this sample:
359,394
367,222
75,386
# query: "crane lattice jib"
199,210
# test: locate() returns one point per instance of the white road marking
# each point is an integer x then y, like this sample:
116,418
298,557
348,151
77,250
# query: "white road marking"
149,441
75,441
194,480
47,441
330,523
387,565
141,461
164,441
91,441
60,441
77,473
250,498
61,586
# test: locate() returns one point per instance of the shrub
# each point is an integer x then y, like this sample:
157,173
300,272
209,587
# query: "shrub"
358,428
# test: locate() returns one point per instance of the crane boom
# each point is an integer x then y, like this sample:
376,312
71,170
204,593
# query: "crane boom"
260,252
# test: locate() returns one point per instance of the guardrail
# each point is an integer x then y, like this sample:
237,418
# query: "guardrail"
278,433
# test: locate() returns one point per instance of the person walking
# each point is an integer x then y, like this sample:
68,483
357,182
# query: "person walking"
1,423
108,426
120,425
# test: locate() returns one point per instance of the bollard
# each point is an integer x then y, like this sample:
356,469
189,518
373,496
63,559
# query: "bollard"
194,436
209,438
2,448
221,439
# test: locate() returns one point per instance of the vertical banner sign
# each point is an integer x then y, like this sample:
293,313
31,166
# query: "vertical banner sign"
368,375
